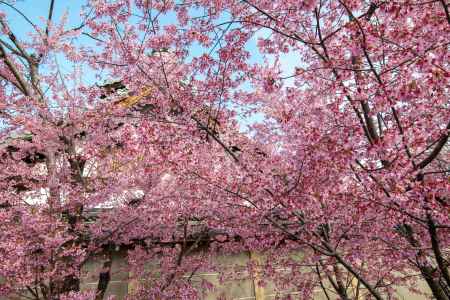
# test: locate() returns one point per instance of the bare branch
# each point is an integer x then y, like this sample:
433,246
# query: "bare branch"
21,82
447,13
49,19
437,149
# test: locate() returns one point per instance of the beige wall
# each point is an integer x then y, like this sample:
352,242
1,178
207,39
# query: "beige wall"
244,288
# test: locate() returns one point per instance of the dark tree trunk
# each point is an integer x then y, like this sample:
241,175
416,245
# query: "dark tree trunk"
104,277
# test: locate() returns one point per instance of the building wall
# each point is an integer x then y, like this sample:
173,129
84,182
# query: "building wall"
245,288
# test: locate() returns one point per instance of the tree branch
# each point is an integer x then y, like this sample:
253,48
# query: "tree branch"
21,82
437,149
49,19
443,266
447,13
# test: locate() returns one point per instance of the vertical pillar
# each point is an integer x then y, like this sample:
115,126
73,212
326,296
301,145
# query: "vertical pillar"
132,284
356,289
259,290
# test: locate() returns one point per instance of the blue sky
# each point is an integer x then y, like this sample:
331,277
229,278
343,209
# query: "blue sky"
37,12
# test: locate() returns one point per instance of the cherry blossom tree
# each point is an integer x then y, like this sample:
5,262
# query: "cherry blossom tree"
363,129
346,159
